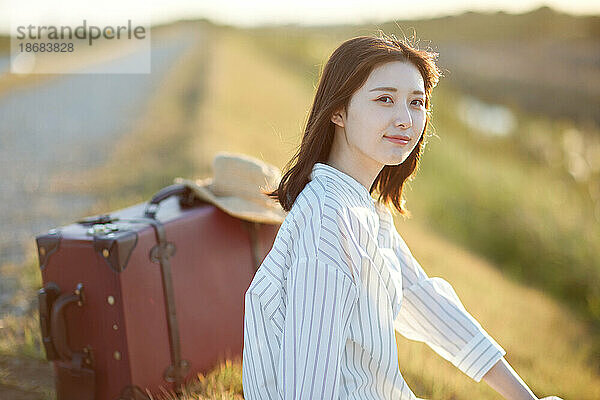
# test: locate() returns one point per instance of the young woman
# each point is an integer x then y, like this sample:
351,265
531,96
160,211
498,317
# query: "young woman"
322,310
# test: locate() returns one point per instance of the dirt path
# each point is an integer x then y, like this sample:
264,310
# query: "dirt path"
39,383
66,124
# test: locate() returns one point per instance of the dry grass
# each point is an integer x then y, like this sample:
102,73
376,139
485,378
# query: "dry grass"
252,106
545,343
224,382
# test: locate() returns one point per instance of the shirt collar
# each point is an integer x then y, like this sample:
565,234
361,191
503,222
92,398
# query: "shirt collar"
357,189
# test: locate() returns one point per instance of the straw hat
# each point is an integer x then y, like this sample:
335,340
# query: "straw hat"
235,188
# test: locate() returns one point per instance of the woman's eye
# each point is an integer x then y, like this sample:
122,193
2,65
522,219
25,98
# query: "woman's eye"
385,97
422,103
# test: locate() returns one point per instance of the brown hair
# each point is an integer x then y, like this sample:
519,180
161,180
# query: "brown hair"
346,71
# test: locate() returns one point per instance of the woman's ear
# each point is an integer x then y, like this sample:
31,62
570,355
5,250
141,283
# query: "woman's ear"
337,119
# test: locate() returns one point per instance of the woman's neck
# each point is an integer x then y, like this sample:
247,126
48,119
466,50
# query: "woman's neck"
362,172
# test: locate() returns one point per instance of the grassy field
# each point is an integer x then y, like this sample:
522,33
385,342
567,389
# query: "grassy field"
254,99
489,294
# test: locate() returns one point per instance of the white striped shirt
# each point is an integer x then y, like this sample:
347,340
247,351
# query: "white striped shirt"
322,309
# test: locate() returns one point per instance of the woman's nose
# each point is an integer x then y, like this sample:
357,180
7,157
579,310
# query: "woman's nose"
403,119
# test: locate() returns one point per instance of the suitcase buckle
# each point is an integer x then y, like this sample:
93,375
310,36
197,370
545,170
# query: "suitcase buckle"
102,229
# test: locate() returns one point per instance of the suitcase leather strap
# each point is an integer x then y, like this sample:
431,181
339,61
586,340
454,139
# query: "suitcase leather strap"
255,249
161,254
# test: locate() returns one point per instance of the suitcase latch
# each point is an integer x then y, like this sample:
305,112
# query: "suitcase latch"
102,229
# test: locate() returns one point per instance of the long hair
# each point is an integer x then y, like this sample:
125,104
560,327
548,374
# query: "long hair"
347,69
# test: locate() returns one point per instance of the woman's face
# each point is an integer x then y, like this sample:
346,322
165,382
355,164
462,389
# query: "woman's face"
390,104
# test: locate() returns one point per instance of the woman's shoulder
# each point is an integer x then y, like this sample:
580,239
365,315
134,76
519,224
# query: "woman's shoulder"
307,208
321,203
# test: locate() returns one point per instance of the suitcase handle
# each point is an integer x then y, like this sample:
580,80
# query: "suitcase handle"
178,189
46,298
74,380
58,326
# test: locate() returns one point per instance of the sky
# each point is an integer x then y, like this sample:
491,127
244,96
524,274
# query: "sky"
256,12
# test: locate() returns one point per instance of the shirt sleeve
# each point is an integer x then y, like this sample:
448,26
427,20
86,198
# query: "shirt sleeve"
432,313
320,300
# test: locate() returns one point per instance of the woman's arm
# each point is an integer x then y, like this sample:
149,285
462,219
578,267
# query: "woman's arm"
504,379
500,376
432,312
320,300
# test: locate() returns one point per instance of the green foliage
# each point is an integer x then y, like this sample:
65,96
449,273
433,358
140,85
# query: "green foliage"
531,218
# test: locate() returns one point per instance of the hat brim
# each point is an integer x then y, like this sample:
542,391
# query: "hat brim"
235,206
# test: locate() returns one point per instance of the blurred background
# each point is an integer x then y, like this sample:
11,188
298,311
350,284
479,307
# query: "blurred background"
505,205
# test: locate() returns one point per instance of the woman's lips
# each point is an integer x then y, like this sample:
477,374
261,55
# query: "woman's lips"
398,139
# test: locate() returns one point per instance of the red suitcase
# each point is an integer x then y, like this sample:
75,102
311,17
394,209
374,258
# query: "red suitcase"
146,297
